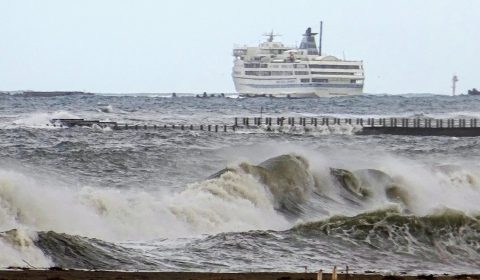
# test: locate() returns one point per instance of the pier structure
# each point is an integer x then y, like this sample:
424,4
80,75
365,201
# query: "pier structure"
363,126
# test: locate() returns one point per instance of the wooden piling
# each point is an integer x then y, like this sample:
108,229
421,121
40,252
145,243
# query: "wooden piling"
320,275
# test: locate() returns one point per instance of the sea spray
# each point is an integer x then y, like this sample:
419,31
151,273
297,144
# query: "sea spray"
40,119
231,202
26,202
18,250
248,196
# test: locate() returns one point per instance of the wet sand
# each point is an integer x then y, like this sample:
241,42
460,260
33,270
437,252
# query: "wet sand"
118,275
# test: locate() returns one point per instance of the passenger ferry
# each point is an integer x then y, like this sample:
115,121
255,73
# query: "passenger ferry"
273,69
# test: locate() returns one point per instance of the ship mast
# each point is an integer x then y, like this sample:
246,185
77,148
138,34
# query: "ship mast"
320,39
270,36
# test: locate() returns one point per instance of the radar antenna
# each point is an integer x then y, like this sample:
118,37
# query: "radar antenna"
271,36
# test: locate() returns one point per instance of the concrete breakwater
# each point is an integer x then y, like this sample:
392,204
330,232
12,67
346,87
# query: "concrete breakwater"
364,126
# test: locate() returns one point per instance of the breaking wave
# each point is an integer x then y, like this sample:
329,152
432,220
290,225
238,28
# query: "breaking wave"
446,235
415,210
37,120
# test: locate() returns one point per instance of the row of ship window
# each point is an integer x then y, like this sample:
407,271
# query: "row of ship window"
314,80
317,80
290,73
323,66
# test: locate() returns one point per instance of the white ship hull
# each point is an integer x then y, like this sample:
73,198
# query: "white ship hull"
293,88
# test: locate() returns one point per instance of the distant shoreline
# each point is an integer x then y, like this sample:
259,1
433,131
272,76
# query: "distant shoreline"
56,93
31,93
110,275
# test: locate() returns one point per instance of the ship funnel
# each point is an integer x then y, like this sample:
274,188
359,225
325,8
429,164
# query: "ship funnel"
308,42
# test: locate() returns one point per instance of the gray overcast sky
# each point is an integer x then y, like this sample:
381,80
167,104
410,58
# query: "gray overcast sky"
185,46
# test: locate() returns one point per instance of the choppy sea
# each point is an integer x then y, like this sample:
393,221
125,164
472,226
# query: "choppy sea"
173,200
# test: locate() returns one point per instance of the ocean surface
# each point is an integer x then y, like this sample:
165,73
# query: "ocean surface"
173,200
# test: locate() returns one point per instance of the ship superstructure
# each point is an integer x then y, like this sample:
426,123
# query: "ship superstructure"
273,69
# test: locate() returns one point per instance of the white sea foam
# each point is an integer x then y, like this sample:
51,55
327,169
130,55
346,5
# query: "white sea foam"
309,130
105,108
232,202
18,250
431,189
39,119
